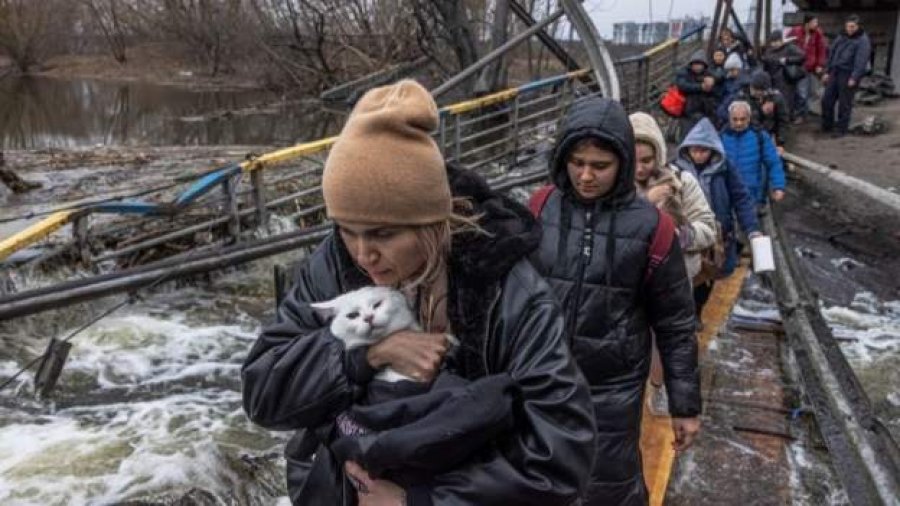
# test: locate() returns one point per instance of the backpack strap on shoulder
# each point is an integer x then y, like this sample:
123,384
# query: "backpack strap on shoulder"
539,199
661,244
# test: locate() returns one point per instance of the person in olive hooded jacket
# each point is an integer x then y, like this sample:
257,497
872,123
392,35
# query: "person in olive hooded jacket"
595,252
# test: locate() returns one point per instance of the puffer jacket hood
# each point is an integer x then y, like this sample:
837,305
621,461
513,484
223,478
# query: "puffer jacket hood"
699,56
606,120
704,134
646,129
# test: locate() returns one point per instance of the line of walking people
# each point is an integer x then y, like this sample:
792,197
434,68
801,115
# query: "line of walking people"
779,84
538,325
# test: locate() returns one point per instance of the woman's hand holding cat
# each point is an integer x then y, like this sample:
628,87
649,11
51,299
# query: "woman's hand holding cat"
414,354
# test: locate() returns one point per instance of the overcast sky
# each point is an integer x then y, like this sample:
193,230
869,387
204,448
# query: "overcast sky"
607,12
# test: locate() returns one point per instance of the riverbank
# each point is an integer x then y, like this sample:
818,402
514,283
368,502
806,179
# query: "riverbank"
872,158
157,64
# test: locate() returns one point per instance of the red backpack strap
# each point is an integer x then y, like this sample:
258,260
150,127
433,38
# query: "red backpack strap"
539,199
661,243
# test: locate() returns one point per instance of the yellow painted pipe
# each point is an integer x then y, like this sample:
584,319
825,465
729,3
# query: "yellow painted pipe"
56,220
469,105
304,149
660,47
34,233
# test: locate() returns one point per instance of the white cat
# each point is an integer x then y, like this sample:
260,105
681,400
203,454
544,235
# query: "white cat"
367,315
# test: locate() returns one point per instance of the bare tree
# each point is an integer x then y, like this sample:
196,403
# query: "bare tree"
31,31
212,30
107,15
493,77
325,42
447,24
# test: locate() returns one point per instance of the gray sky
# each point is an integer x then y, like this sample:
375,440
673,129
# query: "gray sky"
607,12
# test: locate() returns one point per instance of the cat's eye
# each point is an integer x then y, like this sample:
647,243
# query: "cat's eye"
376,305
352,316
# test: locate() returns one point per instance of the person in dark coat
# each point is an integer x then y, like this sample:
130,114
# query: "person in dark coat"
458,251
812,41
848,62
733,44
594,252
783,61
699,88
717,70
735,80
770,110
703,154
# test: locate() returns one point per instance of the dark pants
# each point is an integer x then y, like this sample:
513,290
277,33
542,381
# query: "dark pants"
838,91
701,296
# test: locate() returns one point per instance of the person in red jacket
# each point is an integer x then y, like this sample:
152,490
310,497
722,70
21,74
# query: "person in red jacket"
810,38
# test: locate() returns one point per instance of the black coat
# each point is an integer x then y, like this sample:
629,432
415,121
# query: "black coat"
773,65
850,55
698,103
777,123
299,376
595,256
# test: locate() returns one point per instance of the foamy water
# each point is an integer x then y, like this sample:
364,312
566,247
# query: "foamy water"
152,410
868,329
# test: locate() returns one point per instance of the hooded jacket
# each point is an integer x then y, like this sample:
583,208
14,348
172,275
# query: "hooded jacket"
850,54
776,124
699,231
698,102
299,376
721,183
595,254
776,60
754,154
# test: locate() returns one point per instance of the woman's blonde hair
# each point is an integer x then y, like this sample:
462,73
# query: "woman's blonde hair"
435,242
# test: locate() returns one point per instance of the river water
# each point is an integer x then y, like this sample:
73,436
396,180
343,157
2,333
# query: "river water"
148,407
38,113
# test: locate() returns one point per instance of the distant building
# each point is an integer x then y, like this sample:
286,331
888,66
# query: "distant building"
633,33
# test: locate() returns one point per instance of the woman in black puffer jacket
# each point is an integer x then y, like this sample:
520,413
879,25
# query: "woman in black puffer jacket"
595,253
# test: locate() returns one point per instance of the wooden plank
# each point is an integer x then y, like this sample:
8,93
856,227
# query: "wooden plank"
656,431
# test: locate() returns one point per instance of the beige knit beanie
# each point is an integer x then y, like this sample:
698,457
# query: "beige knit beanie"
384,166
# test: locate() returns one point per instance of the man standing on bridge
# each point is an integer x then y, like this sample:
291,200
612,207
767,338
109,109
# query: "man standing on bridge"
811,39
846,65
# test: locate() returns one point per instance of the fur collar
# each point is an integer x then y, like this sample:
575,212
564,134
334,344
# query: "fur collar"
478,265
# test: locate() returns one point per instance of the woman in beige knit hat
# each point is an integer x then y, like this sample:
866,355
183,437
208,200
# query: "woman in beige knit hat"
458,250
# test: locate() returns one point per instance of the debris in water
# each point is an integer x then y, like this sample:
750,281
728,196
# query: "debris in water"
866,302
870,125
846,264
805,252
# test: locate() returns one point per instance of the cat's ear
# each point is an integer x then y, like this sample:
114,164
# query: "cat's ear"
326,309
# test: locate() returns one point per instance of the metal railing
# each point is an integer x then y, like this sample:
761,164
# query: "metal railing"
493,134
649,74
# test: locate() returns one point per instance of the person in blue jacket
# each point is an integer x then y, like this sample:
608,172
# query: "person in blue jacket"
752,151
848,60
702,154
